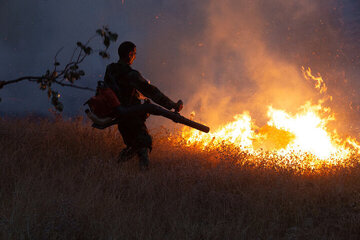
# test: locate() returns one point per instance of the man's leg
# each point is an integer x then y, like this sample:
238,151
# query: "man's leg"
125,129
143,154
137,139
143,145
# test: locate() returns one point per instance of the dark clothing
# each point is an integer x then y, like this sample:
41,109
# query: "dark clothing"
135,133
128,84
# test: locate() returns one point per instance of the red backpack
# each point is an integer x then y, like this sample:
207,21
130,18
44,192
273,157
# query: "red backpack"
105,101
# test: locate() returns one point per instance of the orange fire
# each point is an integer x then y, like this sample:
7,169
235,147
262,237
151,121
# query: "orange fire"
302,134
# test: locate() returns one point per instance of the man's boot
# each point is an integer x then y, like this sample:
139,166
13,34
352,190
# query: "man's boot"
126,154
143,154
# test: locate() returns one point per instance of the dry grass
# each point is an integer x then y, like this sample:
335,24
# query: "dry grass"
60,180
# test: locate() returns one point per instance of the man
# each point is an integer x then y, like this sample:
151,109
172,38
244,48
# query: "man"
129,86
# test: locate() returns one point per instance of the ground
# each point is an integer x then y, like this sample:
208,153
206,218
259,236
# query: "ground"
60,180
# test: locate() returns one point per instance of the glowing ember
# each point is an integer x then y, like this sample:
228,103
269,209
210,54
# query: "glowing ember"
301,136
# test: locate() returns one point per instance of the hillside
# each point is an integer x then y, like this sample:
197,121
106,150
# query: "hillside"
60,180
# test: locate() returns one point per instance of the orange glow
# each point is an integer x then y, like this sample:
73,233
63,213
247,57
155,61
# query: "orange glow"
301,135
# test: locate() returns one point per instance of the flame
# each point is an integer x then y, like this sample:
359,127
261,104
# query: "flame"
303,135
320,84
238,132
309,130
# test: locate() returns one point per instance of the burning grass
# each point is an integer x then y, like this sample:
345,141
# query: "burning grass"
60,180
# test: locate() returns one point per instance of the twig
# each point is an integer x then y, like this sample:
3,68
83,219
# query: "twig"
55,58
29,78
74,86
35,79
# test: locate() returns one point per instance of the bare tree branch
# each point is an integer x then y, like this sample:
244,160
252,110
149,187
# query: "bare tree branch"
35,79
28,78
74,86
70,71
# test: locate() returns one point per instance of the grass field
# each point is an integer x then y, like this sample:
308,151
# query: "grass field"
60,180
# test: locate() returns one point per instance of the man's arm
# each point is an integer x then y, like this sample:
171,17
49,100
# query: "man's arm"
150,91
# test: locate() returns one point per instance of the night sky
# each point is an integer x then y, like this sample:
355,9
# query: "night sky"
220,57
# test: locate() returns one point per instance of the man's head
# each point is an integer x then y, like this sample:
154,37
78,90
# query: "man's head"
127,52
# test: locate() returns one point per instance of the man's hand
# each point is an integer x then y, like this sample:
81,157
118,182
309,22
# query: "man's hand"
178,106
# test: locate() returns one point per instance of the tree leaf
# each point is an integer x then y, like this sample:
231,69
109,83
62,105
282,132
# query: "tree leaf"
57,64
74,67
113,36
54,75
76,75
81,73
88,50
49,93
79,44
100,32
106,41
54,98
104,54
67,76
59,107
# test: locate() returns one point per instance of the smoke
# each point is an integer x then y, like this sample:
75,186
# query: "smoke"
220,57
251,52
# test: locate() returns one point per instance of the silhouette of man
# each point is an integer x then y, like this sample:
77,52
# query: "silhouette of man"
129,86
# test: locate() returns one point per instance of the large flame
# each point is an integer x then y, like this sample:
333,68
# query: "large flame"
303,134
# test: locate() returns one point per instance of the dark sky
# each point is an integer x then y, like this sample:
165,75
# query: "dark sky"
220,57
34,30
